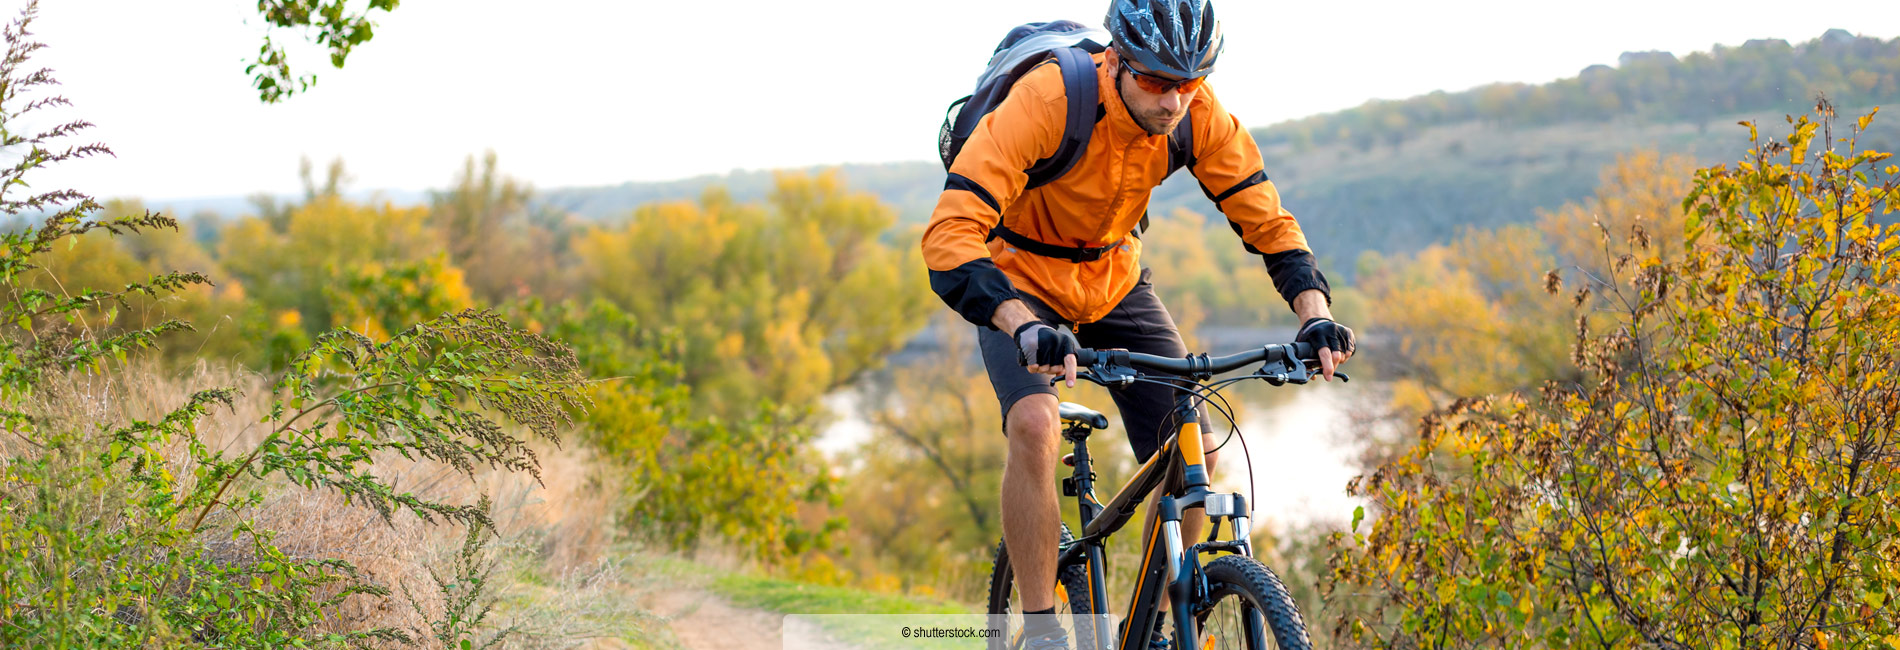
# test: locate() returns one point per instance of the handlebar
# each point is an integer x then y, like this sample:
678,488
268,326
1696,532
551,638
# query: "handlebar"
1285,362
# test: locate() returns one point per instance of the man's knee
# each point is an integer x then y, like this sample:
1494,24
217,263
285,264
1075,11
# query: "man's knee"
1032,425
1213,456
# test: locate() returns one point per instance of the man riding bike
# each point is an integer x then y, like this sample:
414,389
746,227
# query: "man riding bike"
1020,262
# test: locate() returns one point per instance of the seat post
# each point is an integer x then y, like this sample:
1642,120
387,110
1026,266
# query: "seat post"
1081,421
1082,478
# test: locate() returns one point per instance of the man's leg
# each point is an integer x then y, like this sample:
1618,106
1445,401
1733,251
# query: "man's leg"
1032,518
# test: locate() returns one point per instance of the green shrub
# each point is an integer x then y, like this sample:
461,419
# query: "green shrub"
133,532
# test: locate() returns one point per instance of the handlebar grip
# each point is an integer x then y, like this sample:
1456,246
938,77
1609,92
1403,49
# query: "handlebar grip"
1084,357
1304,351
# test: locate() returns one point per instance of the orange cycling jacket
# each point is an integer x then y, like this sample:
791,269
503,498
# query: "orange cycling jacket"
1099,202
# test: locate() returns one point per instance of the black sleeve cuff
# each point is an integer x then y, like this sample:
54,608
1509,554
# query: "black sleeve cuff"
974,289
1294,272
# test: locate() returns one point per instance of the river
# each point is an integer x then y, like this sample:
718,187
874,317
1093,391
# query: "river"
1301,451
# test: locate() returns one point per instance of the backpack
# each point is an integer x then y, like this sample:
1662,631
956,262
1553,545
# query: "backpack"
1024,48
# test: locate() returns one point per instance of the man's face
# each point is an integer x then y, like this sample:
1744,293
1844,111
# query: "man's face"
1157,113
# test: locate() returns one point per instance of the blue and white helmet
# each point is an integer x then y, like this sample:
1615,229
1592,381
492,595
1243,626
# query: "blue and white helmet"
1179,38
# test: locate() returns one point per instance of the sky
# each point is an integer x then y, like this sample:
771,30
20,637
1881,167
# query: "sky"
590,92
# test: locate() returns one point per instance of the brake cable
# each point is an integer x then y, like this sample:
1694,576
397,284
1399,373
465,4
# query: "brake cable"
1203,392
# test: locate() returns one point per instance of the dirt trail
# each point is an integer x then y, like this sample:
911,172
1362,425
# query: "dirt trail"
702,620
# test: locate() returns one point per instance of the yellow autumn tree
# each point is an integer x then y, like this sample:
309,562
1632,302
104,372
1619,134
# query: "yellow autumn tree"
377,299
217,306
784,301
505,244
1643,189
303,267
1466,317
1722,475
1470,317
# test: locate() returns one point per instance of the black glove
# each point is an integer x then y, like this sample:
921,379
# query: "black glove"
1038,344
1324,333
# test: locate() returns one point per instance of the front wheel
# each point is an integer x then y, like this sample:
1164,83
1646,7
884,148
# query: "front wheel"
1072,598
1248,607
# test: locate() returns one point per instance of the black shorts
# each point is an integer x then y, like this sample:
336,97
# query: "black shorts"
1139,324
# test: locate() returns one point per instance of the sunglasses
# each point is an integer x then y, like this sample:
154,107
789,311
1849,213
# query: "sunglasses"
1157,84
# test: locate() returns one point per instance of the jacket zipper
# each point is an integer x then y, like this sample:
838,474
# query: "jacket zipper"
1118,197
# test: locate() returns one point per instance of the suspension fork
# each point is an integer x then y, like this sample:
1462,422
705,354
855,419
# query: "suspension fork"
1180,576
1182,570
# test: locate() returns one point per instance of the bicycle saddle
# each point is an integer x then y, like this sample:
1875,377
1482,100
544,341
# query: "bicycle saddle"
1079,414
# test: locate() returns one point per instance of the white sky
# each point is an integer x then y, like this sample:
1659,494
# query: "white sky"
578,92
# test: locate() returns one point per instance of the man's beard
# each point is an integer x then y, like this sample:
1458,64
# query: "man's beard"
1156,122
1159,122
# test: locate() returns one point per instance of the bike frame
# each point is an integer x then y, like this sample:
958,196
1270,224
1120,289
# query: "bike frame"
1180,465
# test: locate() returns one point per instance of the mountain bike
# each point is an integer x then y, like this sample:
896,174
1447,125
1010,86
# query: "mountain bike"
1232,601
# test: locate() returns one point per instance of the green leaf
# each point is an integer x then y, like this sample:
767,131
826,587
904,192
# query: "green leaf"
1358,513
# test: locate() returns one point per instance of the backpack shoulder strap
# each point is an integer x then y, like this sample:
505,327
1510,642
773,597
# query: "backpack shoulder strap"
1080,85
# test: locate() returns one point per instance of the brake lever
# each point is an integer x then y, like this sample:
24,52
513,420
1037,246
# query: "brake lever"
1289,372
1316,369
1111,376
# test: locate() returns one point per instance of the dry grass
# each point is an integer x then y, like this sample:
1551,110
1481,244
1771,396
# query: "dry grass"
554,577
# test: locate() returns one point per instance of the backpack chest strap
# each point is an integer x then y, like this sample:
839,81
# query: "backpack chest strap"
1077,254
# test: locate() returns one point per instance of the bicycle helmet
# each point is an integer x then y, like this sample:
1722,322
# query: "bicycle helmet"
1173,37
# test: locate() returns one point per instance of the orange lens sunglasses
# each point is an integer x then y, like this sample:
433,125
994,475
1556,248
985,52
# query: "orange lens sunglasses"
1158,84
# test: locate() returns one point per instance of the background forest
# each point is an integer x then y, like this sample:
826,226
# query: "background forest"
1625,383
